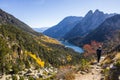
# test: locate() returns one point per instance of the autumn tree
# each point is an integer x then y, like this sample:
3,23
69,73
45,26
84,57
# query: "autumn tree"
90,49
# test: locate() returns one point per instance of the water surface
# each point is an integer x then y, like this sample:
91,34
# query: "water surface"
72,46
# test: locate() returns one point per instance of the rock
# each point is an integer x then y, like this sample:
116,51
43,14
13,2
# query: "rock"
104,66
119,77
78,72
92,73
112,66
61,79
102,79
82,72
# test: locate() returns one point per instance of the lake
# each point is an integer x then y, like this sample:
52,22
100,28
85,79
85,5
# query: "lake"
72,46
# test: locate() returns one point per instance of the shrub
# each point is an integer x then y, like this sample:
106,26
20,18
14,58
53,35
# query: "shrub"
118,64
106,73
21,78
15,69
84,64
31,78
14,77
69,76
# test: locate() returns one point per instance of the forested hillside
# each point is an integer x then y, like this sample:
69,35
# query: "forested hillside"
22,49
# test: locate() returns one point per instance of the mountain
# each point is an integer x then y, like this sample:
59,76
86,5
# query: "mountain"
108,32
90,22
59,30
22,50
9,19
40,29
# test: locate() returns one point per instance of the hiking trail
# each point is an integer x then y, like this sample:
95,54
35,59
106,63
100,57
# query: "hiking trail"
94,74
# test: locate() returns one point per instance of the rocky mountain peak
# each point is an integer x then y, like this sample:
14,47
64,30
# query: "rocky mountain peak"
89,13
98,12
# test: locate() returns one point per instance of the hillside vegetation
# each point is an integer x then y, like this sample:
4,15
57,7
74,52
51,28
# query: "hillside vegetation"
18,41
23,49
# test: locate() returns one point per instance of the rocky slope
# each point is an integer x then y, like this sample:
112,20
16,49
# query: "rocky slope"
107,69
111,66
107,32
90,22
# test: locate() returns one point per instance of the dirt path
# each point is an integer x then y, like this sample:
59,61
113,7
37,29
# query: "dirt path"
5,76
95,73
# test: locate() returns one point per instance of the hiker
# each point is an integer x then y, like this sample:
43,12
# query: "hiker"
98,52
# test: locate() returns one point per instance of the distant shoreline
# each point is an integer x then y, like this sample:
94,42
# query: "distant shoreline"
72,46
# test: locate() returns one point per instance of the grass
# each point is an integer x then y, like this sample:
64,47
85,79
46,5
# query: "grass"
69,75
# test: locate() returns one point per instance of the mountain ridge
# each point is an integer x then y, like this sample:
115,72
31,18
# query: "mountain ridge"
10,19
91,21
64,26
42,29
108,34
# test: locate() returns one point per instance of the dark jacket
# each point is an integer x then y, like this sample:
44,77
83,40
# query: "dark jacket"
99,51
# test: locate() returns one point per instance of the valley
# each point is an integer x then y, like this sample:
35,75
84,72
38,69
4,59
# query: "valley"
93,30
66,51
26,54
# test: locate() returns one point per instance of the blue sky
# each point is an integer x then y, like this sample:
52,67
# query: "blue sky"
46,13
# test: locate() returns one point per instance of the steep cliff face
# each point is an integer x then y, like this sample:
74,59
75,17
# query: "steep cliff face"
90,22
108,30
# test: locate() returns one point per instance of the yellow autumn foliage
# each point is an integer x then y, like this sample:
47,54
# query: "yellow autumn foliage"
38,60
49,40
69,58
